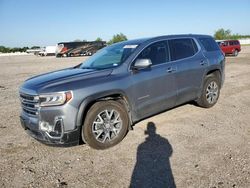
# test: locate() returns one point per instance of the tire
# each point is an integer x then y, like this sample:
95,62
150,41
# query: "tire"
210,92
235,53
105,125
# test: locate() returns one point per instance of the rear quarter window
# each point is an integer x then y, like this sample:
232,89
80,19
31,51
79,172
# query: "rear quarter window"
182,48
209,44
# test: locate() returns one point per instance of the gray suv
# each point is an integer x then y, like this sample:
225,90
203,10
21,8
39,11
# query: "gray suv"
99,100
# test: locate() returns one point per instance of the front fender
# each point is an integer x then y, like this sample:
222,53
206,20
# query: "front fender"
89,101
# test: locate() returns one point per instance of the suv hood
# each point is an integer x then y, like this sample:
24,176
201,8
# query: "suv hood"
65,75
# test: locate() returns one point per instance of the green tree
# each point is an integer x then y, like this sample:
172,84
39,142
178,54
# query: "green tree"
222,34
4,49
98,39
118,38
24,49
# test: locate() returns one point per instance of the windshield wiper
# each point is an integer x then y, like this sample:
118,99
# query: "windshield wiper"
77,66
88,68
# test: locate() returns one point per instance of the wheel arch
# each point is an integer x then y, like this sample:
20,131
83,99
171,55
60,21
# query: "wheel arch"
209,74
103,96
216,72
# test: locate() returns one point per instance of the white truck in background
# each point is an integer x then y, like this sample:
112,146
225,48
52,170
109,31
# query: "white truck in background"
48,51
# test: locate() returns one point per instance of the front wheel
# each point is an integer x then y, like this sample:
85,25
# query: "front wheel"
106,124
210,92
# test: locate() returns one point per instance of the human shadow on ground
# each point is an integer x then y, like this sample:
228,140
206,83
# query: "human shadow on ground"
152,168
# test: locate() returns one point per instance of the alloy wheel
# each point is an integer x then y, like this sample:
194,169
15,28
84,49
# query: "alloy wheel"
107,125
212,92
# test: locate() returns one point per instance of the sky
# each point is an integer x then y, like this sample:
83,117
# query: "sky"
48,22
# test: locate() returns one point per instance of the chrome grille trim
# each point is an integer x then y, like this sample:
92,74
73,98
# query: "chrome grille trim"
29,103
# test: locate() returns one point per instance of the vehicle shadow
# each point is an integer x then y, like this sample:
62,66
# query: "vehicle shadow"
152,168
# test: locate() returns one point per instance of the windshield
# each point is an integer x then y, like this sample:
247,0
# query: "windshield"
111,56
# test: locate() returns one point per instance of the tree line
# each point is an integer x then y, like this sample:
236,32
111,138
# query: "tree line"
223,34
4,49
220,34
116,38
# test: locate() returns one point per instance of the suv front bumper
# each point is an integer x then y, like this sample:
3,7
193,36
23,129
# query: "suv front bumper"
31,125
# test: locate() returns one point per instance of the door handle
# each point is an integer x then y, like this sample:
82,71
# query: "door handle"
203,62
171,69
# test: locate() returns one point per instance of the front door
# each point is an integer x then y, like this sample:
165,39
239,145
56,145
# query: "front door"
154,88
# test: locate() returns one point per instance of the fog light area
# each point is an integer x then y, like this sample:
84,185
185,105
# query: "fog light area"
53,131
45,126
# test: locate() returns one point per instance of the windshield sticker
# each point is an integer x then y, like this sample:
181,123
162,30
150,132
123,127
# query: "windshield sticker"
130,46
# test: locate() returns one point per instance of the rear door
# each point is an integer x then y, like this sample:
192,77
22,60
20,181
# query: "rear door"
154,88
191,65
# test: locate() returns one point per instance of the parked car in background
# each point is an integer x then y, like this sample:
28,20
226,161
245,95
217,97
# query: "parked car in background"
232,47
100,99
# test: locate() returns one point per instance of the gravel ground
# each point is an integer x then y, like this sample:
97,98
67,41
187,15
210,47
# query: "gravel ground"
191,146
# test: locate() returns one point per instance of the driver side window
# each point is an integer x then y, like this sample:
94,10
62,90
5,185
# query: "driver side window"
156,52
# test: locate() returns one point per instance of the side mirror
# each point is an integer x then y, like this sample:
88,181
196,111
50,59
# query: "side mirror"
142,63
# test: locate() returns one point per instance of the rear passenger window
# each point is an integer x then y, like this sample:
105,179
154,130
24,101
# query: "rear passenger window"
182,48
236,42
209,44
157,53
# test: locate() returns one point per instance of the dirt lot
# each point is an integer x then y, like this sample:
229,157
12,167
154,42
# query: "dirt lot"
198,147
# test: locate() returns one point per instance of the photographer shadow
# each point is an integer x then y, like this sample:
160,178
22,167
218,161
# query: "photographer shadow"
152,168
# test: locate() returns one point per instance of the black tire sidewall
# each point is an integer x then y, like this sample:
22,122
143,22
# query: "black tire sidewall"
98,107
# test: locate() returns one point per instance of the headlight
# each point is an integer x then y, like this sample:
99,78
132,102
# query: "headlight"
55,99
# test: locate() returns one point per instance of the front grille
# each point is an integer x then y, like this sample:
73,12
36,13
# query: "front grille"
30,104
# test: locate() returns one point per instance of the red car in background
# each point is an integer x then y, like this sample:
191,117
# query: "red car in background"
230,47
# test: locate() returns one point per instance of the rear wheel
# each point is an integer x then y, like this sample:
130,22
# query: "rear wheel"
106,124
210,92
235,53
